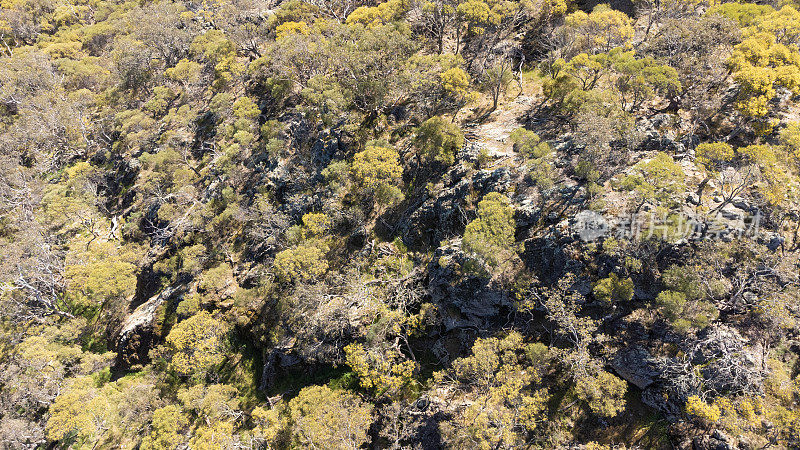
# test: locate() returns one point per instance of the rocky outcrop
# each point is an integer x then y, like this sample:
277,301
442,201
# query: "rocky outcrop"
725,365
716,441
136,337
465,300
636,366
435,219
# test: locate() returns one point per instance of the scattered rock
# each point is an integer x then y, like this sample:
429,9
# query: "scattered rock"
706,442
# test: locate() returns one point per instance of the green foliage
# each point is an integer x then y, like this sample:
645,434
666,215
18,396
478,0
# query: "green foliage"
638,79
316,417
439,139
156,159
491,235
529,144
377,172
613,289
302,263
635,80
659,179
684,314
683,279
196,346
539,153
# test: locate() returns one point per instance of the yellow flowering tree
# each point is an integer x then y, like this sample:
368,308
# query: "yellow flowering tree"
377,172
195,346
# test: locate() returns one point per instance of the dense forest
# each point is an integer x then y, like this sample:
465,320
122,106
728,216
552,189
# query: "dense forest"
416,224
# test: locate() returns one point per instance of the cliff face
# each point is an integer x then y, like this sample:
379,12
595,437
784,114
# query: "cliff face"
339,224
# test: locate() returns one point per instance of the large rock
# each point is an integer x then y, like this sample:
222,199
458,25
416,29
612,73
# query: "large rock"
135,337
637,366
465,300
547,258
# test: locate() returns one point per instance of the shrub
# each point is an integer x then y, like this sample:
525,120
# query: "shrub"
491,235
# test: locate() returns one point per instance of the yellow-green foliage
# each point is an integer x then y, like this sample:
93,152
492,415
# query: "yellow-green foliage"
196,346
270,424
216,280
530,144
381,371
156,153
500,381
760,64
707,413
78,411
746,14
604,393
760,155
71,203
439,139
287,28
302,263
37,368
790,141
377,171
214,436
659,179
711,155
480,15
98,416
373,16
455,81
776,183
98,272
639,79
212,403
324,418
316,224
601,30
784,24
613,289
491,235
539,153
185,71
166,429
682,303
